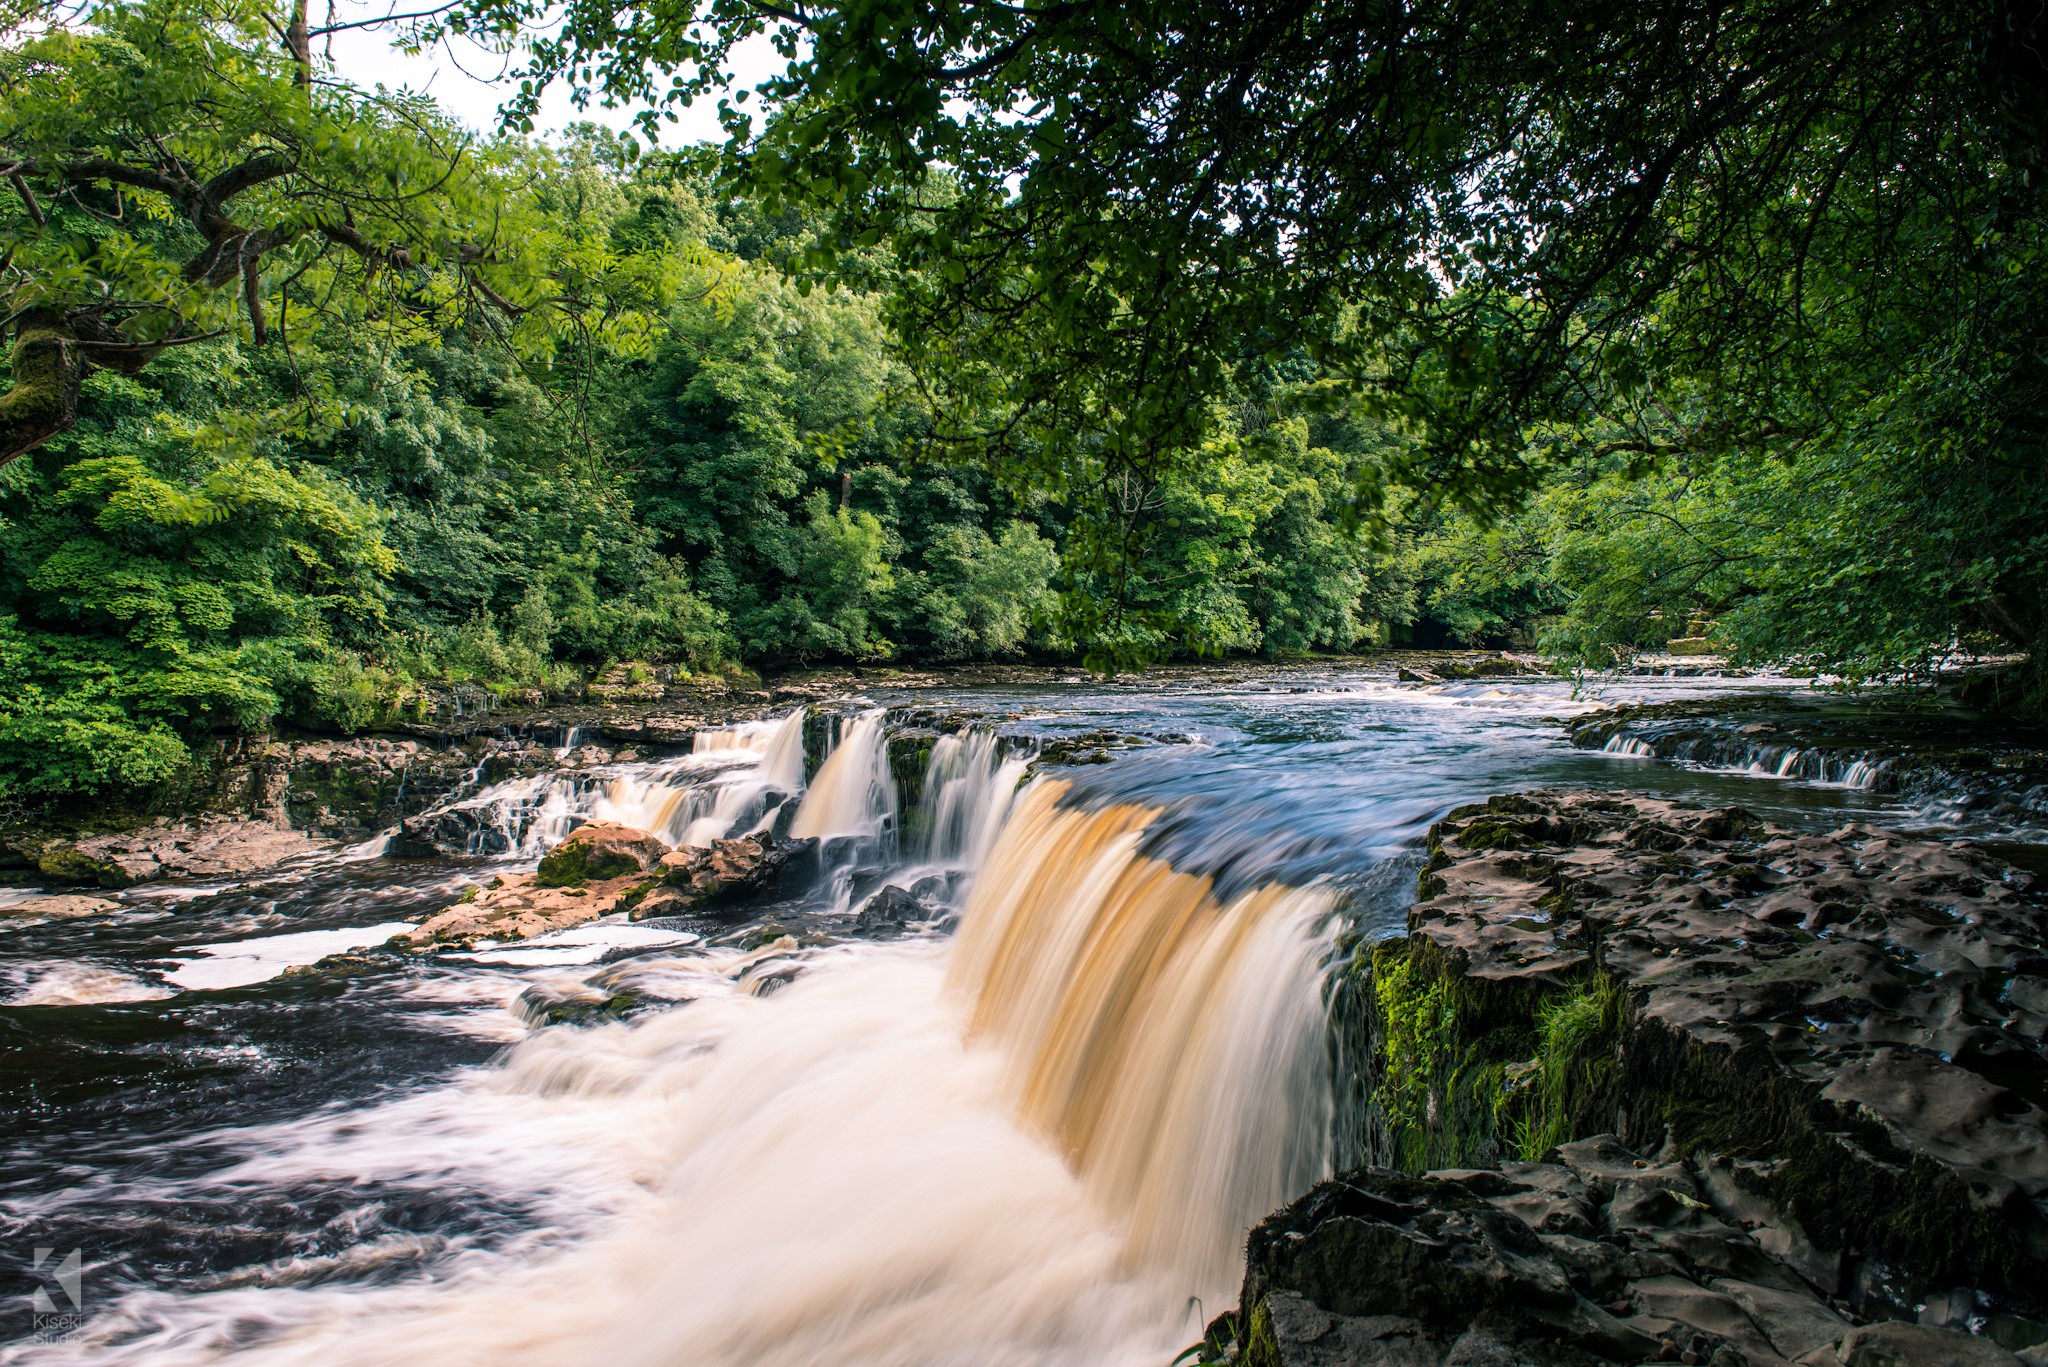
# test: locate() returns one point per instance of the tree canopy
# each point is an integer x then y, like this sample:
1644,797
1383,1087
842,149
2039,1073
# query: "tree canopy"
1515,233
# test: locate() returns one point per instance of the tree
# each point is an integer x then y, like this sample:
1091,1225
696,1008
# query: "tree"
1481,214
179,176
1657,230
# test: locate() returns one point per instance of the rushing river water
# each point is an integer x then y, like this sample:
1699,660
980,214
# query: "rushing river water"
1034,1139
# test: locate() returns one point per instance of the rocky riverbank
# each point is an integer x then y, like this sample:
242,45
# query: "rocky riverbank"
1961,764
1833,1044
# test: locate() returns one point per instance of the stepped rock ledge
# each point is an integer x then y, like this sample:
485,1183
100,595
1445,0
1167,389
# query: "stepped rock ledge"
1694,1088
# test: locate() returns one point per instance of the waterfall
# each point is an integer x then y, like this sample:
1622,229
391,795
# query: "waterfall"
782,759
1037,1145
853,793
1171,1045
732,778
968,787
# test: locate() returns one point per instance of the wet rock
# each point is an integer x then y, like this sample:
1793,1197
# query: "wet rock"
515,907
215,847
1501,667
727,874
1857,1018
1909,1345
1467,1267
581,1004
599,851
1405,674
893,910
61,906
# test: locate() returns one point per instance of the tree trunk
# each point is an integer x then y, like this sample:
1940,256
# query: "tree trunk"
49,366
298,42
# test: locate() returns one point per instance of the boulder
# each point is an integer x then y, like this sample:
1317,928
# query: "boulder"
892,910
599,851
1603,1256
1853,1022
726,874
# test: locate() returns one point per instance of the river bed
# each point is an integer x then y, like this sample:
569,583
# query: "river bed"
1037,1140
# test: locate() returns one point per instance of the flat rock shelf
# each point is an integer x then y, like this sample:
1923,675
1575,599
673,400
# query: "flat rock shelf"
1831,1044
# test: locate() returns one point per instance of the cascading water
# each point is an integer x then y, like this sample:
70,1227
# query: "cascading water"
1030,1158
811,1140
853,792
968,786
1168,1043
731,779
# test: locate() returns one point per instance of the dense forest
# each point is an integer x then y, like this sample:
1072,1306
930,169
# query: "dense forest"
319,400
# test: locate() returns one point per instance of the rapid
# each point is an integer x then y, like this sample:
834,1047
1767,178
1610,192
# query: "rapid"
1029,1125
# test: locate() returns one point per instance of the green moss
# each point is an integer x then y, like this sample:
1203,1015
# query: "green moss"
68,865
573,863
1457,1071
1577,1038
1261,1348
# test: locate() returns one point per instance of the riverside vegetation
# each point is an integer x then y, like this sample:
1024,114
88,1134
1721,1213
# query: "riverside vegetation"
320,402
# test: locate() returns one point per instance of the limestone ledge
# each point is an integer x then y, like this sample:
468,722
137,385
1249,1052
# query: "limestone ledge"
1842,1034
1601,1256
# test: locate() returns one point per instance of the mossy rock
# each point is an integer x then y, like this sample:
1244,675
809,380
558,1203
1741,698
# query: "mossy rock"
69,865
572,864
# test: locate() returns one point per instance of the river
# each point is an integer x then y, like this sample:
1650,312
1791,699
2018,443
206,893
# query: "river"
1034,1136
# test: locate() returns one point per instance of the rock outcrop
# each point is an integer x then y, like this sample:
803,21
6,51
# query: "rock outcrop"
1599,1256
599,851
599,869
725,876
202,848
1843,1032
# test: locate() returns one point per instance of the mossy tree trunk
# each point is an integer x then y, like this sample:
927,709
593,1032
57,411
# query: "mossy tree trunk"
49,367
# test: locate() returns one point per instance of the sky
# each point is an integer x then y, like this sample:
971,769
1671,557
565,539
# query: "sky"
459,77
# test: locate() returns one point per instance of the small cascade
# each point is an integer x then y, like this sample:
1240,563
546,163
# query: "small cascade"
1171,1045
782,759
733,779
744,800
853,792
1735,755
969,785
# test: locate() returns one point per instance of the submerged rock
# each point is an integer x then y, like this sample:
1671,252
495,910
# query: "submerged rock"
1854,1021
61,907
1598,1256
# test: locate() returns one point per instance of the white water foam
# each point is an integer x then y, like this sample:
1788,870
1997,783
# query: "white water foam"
584,944
73,983
828,1174
239,963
